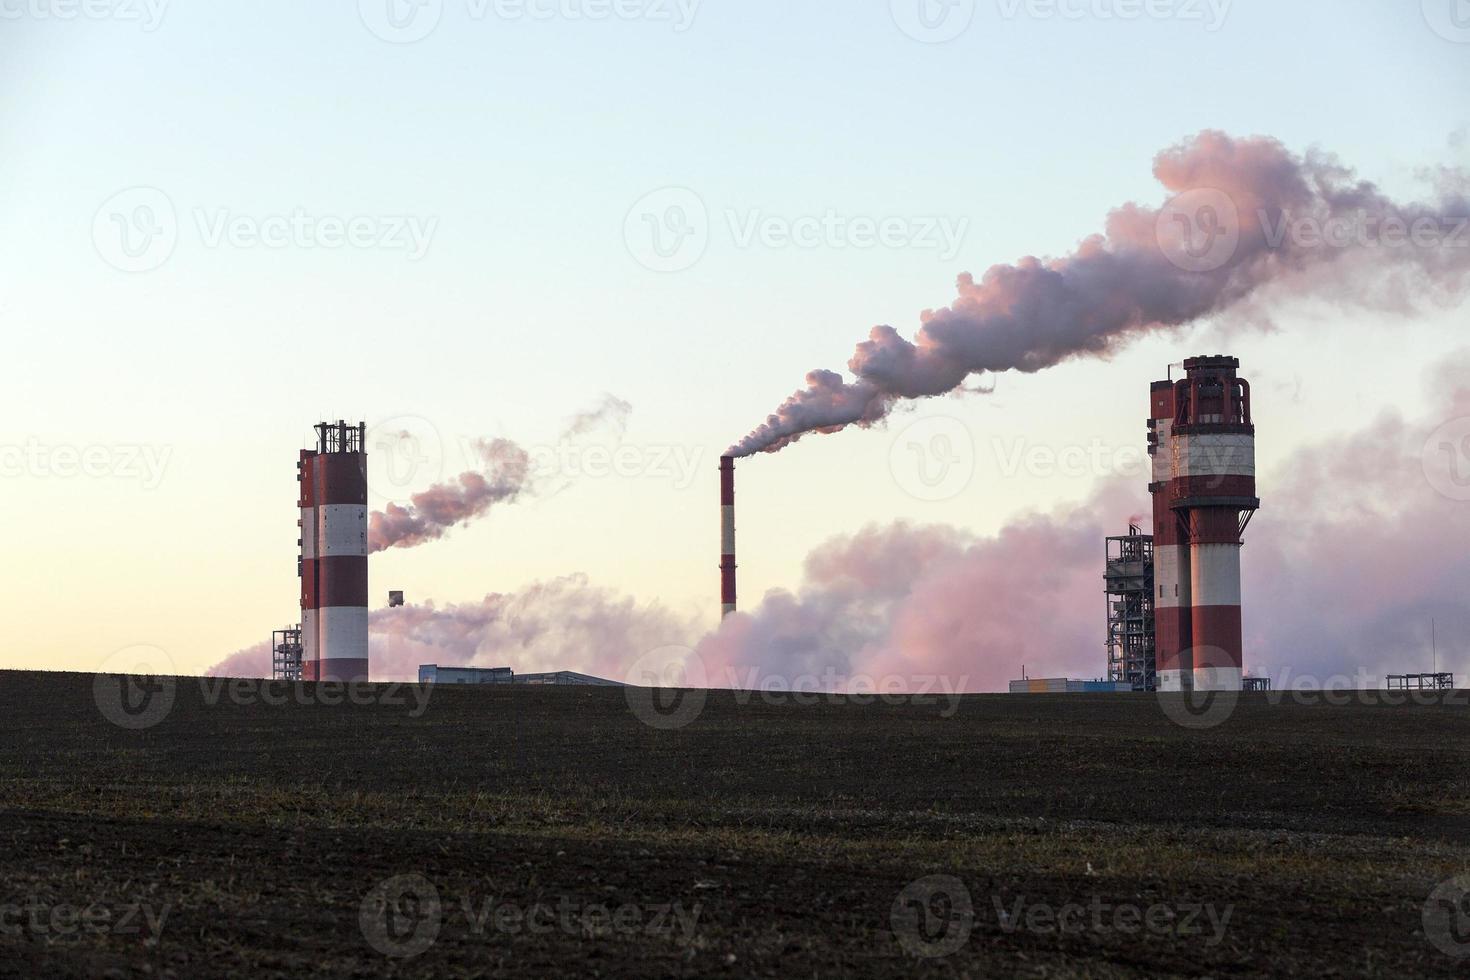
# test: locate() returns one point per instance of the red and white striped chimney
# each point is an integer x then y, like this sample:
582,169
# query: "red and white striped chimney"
334,562
1211,492
1173,658
727,535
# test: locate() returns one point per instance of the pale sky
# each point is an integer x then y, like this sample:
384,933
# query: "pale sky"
493,173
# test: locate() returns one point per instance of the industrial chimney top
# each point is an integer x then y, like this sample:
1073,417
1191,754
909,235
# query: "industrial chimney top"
339,437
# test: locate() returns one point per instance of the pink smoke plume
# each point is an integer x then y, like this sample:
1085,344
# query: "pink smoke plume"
564,624
1230,228
503,475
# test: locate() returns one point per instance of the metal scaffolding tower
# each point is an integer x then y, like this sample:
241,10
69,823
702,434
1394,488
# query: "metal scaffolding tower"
286,654
1130,596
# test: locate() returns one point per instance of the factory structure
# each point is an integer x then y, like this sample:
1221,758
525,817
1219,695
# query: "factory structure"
435,674
1173,597
331,641
728,602
333,564
1203,443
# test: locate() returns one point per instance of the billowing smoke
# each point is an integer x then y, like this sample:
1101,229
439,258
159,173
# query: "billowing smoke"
915,607
610,410
502,476
1245,213
563,624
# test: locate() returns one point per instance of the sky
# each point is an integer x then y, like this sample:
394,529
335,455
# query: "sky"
465,219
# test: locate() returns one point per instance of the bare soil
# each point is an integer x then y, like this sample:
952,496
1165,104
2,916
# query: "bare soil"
549,831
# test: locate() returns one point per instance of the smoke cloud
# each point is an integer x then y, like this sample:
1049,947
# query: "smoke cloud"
1244,214
564,624
610,410
502,477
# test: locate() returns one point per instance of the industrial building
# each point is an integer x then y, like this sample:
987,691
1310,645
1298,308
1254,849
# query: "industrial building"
1173,597
1063,685
1129,583
333,564
1202,440
434,674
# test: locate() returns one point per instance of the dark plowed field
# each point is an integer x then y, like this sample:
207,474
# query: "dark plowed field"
552,831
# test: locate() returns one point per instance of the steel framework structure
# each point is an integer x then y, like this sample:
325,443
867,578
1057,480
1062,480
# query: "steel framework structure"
1129,584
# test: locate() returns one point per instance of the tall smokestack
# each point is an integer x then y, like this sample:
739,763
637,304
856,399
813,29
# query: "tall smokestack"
727,535
334,563
1207,501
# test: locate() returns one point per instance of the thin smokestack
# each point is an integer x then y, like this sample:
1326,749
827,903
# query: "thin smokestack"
1226,233
727,535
